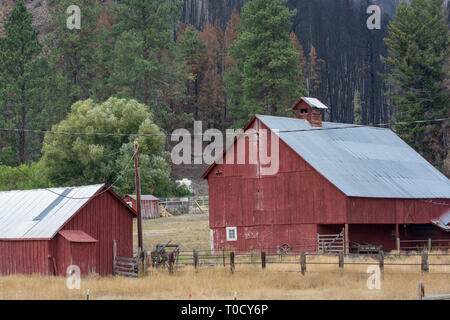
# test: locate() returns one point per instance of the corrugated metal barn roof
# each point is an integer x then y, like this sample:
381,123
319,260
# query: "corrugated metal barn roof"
39,214
362,161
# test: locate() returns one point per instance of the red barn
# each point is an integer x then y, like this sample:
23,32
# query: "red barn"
332,177
45,231
149,205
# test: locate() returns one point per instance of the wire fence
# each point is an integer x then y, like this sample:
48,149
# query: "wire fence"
264,257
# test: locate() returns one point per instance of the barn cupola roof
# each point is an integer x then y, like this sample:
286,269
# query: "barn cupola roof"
310,109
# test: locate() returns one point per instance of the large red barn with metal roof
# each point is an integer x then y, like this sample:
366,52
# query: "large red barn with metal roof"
45,231
358,183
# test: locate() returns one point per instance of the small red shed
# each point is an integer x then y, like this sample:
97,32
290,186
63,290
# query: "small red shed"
149,205
46,231
362,183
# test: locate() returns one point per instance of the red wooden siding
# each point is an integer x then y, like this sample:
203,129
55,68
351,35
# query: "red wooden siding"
295,197
368,210
149,208
295,204
66,253
105,219
25,257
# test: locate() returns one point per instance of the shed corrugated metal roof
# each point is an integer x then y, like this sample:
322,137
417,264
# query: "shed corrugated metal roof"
443,222
77,236
362,161
39,214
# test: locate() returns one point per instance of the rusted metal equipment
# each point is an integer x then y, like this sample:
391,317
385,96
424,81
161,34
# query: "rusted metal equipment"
364,247
160,257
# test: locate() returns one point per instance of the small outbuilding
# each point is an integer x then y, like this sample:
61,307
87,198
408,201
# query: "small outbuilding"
149,205
45,231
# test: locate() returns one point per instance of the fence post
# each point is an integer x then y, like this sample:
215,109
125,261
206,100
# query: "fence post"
232,262
223,256
303,262
398,245
195,259
171,261
341,260
87,294
421,290
114,256
318,242
263,260
251,254
381,261
425,266
429,244
279,252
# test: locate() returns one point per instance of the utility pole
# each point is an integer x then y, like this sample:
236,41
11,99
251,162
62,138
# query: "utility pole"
138,203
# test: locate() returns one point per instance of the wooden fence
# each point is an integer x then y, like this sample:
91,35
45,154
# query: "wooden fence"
424,244
263,258
330,242
126,266
185,205
421,293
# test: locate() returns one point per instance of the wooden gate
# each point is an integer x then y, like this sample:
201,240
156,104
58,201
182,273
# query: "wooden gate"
333,243
126,266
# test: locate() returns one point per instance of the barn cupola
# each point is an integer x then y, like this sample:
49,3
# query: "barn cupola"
309,109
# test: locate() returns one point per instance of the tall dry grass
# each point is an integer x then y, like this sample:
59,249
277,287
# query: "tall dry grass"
249,281
277,281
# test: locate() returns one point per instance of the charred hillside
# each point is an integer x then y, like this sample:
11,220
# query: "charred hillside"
337,29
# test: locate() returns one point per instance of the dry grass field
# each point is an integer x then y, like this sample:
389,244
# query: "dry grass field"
192,231
249,282
277,281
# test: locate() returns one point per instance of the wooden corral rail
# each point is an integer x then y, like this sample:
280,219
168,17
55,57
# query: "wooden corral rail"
186,204
421,293
424,244
298,258
126,266
331,242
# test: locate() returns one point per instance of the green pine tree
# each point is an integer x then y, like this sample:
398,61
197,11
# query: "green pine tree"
357,108
418,48
25,88
193,53
145,64
267,63
75,54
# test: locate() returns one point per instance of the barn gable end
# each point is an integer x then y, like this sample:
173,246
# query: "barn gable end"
361,181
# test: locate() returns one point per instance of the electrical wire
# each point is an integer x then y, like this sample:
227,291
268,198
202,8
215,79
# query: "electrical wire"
85,198
166,135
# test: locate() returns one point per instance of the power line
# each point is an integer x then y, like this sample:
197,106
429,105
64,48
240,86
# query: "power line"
167,135
439,203
84,198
